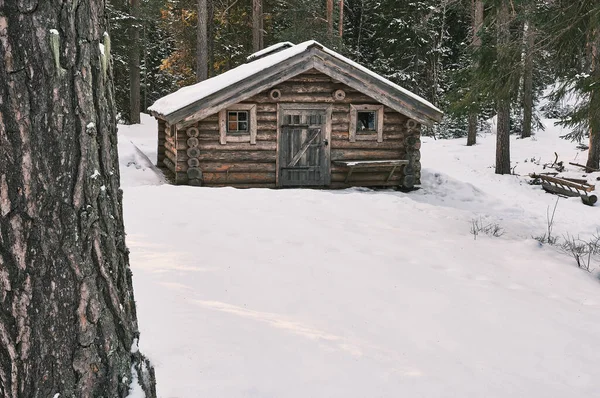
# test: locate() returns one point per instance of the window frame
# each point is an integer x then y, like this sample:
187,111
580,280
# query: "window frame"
375,135
238,136
237,122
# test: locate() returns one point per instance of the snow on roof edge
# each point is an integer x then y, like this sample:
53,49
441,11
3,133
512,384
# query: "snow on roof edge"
269,49
190,94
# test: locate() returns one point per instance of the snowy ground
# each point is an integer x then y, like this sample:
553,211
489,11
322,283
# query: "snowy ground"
355,293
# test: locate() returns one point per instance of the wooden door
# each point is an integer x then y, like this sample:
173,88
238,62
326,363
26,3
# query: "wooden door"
303,148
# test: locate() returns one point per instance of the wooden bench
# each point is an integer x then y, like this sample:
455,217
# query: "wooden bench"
371,165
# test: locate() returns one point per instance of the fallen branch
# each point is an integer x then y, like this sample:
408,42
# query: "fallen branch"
587,169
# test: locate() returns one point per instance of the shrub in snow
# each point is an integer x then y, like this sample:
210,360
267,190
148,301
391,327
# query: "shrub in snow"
585,252
492,229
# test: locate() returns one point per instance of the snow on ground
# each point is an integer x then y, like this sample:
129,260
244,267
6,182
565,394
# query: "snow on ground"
357,293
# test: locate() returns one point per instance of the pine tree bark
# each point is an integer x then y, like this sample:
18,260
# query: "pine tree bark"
477,10
503,101
210,35
202,45
134,64
341,21
529,32
330,19
257,25
593,160
67,311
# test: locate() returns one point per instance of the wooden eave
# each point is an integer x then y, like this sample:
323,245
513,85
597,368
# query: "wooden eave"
313,58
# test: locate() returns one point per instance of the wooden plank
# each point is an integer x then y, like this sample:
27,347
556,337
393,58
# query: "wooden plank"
237,139
381,177
239,146
561,181
371,163
223,127
366,184
363,154
233,156
243,185
237,167
353,121
372,144
238,178
169,164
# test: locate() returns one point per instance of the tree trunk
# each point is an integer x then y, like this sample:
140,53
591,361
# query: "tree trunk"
503,101
68,323
257,25
529,32
477,9
134,64
202,49
341,21
210,35
593,160
330,19
503,138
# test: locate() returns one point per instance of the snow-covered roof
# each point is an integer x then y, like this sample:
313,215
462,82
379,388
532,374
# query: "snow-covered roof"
193,94
270,49
196,92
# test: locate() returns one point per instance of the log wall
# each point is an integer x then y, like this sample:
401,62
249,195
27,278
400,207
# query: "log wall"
246,165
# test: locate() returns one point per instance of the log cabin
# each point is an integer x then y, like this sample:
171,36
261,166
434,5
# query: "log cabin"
293,116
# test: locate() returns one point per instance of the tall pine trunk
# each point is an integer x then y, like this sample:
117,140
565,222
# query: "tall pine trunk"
477,10
68,322
134,64
341,21
529,40
257,32
202,45
210,35
330,19
503,100
593,160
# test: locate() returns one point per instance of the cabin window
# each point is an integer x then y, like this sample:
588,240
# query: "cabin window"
238,124
366,123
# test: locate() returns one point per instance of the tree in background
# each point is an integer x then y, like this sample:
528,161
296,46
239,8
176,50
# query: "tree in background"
572,34
68,322
504,91
257,26
134,63
477,25
155,45
202,41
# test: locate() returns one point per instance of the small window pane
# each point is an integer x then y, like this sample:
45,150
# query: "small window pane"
237,121
366,121
296,119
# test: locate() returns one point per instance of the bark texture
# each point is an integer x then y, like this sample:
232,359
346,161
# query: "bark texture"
477,10
134,65
341,21
529,39
330,18
202,50
503,102
257,31
67,311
